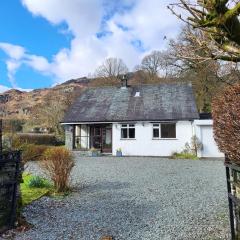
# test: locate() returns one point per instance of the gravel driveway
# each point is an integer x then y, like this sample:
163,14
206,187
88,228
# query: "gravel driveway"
136,198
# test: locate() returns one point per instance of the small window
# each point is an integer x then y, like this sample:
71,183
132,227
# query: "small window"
128,131
168,130
131,133
156,131
137,94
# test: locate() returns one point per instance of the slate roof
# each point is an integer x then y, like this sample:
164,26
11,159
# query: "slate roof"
114,104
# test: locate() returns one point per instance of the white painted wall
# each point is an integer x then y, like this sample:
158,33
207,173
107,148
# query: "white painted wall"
145,145
204,132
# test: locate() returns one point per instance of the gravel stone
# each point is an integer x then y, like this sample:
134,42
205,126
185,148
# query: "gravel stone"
135,198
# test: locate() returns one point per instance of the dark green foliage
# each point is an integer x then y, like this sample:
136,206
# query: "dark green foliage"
37,182
40,139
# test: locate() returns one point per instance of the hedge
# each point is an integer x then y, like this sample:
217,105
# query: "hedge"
39,139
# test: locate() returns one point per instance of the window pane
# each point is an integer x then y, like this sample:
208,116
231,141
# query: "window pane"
97,131
84,131
131,125
124,125
156,132
124,133
131,132
156,125
168,130
77,130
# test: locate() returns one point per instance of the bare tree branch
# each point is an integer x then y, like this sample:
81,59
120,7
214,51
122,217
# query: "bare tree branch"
220,22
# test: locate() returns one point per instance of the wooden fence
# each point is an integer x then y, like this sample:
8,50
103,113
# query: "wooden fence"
10,177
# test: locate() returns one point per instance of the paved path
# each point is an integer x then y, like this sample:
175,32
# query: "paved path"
136,198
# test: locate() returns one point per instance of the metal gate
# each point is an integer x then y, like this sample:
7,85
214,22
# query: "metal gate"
10,177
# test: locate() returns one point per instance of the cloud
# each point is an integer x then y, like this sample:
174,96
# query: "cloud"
17,56
12,66
3,88
126,29
82,17
14,51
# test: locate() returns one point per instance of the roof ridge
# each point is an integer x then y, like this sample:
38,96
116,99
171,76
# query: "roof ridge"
142,84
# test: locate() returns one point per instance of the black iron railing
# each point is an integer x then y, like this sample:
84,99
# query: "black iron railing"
233,187
10,177
1,133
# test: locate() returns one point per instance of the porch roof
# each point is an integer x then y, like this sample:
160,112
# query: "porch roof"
151,103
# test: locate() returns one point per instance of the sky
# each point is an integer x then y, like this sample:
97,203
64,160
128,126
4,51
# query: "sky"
47,42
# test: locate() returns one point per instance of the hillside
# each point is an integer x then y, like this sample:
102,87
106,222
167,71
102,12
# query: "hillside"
21,105
17,104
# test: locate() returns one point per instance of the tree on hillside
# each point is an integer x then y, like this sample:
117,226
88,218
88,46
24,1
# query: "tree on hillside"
111,69
152,64
51,112
218,20
155,65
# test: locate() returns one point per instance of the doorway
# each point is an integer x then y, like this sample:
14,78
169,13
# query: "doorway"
101,137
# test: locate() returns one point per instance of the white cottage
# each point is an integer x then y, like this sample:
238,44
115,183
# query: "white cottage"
144,120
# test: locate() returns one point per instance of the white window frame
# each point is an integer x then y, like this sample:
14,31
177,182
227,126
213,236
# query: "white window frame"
128,126
160,132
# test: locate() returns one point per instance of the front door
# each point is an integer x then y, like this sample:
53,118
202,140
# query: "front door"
96,139
101,138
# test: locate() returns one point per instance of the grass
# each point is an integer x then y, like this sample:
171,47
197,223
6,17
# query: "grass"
31,193
184,156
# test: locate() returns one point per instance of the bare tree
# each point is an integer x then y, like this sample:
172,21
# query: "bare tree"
111,69
189,52
152,64
51,112
190,62
218,20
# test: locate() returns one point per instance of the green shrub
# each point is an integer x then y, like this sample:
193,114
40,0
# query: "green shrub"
184,155
37,182
190,150
58,163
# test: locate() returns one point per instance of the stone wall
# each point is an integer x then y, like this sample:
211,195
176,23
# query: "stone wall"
68,137
10,177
